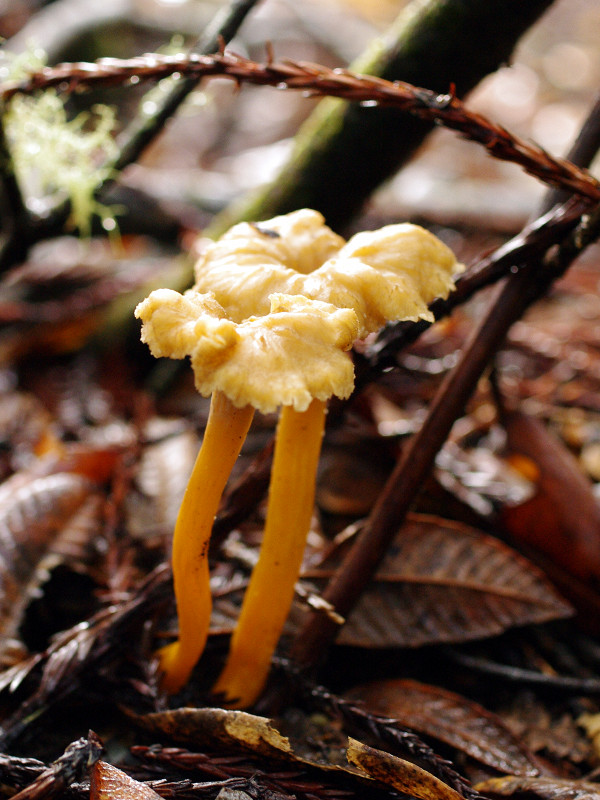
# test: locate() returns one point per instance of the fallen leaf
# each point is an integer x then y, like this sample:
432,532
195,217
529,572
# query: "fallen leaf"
34,513
207,726
563,519
442,581
237,732
542,788
449,718
109,783
398,773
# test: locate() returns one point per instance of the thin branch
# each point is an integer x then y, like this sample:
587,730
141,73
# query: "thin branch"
318,80
523,676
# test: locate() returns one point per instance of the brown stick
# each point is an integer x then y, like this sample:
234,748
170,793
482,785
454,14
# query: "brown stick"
318,80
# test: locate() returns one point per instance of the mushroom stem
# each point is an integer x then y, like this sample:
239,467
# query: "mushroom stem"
224,436
270,592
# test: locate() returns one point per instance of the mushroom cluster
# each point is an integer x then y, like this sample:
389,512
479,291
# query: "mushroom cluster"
269,322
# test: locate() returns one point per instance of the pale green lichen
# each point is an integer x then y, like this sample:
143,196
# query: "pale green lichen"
54,157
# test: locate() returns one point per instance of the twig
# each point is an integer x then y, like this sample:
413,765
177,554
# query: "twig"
586,233
318,80
507,672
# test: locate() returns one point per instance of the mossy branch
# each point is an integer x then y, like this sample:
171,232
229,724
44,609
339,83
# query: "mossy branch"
83,182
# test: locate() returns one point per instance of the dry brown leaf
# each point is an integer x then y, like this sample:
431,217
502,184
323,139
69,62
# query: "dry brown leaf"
452,719
398,773
563,519
207,726
442,581
34,512
541,788
49,513
109,783
240,732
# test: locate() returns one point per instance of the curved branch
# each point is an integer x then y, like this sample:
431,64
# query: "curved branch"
315,79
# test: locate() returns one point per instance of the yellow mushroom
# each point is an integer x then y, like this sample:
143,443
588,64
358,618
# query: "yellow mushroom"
274,309
294,356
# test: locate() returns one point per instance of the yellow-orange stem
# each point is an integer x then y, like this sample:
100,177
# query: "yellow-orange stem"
271,589
224,436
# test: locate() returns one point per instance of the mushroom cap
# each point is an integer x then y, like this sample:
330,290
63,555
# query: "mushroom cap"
290,356
276,305
251,261
385,275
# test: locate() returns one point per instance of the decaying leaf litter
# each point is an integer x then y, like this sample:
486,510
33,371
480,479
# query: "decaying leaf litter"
456,673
